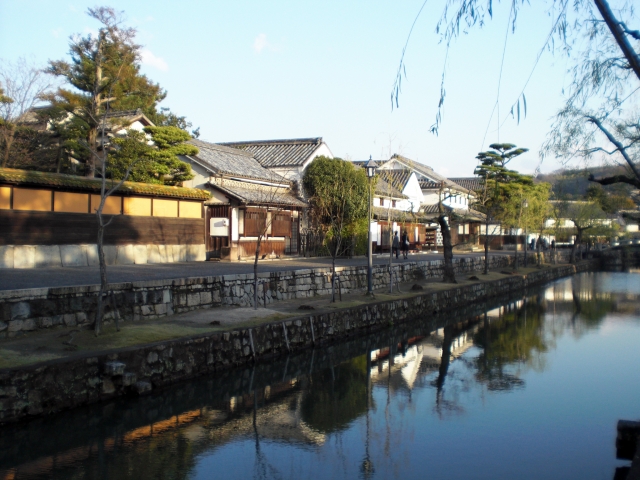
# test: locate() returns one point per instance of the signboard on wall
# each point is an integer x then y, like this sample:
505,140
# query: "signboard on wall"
219,227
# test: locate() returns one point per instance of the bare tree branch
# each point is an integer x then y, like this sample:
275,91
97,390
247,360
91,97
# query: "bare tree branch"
632,33
617,143
615,179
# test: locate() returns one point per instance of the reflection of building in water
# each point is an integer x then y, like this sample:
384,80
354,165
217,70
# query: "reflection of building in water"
276,418
419,357
586,290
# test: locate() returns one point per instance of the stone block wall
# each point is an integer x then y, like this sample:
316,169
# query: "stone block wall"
65,383
32,309
41,256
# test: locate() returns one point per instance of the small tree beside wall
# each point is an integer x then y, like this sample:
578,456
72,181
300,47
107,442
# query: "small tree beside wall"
338,196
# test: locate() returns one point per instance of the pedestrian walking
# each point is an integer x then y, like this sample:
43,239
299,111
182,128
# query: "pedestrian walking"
405,245
396,244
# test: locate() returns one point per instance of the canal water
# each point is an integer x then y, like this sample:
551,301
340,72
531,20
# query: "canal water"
531,389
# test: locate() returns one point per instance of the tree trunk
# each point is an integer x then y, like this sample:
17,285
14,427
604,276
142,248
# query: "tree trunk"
333,277
8,142
90,164
579,241
445,359
449,275
515,260
576,245
486,247
103,274
618,34
255,274
94,124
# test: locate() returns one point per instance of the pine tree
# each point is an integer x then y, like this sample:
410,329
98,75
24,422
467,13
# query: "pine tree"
104,72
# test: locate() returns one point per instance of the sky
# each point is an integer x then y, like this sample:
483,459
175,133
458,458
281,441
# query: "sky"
257,70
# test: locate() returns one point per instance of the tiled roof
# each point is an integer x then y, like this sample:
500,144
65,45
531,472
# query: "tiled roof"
470,183
383,187
428,184
433,210
362,163
254,194
279,153
386,190
426,171
397,178
233,162
630,214
123,116
382,213
72,182
470,215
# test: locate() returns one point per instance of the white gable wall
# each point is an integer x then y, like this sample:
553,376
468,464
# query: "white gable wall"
414,192
201,175
296,173
392,164
138,126
430,197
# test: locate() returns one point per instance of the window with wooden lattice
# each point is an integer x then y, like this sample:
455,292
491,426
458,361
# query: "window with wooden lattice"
281,224
255,222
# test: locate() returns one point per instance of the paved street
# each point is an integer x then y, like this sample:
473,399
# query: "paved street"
13,279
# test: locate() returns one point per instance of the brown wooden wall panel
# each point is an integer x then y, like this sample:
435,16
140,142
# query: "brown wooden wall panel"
248,248
52,228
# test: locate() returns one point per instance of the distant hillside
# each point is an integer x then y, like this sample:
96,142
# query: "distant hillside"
573,183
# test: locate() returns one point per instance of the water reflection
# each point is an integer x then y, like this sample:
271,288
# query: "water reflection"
358,417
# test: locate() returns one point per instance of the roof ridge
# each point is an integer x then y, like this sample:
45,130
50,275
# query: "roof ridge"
288,141
217,146
407,159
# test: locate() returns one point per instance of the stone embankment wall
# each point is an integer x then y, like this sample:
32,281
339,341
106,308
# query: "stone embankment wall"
33,309
61,384
628,256
43,256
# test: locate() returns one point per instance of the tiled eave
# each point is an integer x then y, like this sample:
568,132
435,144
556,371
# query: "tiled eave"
27,178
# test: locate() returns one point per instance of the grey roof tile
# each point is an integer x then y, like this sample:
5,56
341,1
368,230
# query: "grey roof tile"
426,171
381,213
233,162
470,183
428,184
397,178
386,190
253,194
279,153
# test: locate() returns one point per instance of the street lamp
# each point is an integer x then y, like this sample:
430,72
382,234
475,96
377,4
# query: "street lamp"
370,168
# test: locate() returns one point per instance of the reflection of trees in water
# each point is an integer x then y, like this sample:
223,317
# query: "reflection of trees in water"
445,406
513,340
263,468
589,309
336,396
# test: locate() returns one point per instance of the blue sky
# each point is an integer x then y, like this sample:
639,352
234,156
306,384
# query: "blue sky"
252,70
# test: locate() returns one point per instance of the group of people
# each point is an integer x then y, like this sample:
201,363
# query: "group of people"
541,244
401,244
